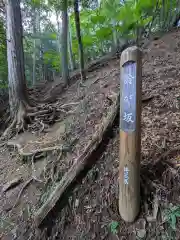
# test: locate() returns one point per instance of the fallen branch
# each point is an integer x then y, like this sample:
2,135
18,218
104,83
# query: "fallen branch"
78,165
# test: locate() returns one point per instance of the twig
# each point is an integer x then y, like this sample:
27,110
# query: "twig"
166,154
67,104
146,99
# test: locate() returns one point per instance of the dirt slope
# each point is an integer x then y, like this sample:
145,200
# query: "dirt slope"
62,132
92,205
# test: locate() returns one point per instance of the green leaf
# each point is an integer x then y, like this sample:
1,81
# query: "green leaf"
104,32
113,227
98,19
88,40
177,214
173,221
53,36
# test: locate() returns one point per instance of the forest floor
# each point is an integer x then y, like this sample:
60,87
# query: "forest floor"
89,210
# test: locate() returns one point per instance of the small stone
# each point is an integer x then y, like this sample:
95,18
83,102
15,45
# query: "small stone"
141,228
76,203
141,233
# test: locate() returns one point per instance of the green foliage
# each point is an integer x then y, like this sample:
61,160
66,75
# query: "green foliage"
103,32
113,227
56,5
103,23
171,215
3,86
3,56
52,59
98,19
36,2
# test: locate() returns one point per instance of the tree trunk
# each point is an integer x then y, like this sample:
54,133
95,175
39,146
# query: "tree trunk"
34,62
58,33
169,18
64,45
72,63
34,45
114,34
80,44
15,56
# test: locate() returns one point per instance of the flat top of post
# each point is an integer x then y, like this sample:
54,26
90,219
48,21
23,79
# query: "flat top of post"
132,53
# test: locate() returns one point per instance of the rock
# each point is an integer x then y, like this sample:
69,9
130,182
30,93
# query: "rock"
141,233
76,203
141,228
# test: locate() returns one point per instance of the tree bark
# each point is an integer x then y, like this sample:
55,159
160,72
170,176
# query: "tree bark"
80,44
58,33
34,62
72,63
36,28
15,56
64,45
114,34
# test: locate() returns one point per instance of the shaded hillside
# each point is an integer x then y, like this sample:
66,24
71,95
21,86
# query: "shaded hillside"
92,206
90,209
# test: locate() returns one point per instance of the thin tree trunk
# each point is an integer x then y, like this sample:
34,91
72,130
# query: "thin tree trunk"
80,44
58,43
58,33
169,19
162,15
38,20
64,45
72,63
15,56
41,52
34,61
34,45
114,35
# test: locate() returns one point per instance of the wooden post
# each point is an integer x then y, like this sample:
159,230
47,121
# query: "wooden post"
130,133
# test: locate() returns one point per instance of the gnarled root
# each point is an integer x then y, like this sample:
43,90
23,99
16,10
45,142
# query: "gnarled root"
18,122
32,116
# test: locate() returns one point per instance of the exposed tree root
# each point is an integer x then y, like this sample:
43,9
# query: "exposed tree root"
33,114
17,123
26,115
13,183
22,189
40,150
8,130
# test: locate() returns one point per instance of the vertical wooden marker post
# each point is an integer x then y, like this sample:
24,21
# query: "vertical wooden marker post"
130,133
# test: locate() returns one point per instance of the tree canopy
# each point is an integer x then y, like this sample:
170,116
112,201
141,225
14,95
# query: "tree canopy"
104,26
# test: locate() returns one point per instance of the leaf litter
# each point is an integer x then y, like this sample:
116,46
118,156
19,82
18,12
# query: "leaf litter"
97,192
93,203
